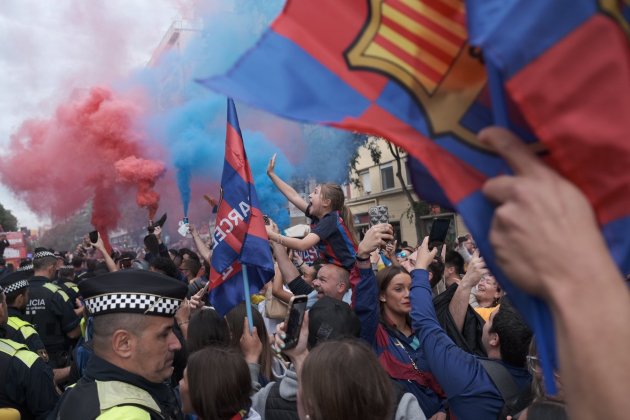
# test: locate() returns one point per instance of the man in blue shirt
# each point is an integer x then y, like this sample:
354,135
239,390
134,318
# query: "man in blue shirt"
471,392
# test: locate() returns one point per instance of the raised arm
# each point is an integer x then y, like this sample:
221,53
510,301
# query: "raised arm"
202,249
303,244
547,240
291,274
459,304
277,286
111,265
288,191
365,293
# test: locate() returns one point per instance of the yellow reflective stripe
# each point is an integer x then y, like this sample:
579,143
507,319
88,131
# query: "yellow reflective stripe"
115,393
27,356
56,289
72,286
22,326
126,412
51,287
63,295
19,351
10,347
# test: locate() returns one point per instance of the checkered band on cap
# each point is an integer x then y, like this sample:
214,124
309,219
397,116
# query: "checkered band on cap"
133,303
25,268
43,254
22,284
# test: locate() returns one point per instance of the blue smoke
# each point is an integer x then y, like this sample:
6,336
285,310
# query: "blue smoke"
189,121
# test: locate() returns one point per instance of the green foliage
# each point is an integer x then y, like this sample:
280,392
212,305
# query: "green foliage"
8,220
65,235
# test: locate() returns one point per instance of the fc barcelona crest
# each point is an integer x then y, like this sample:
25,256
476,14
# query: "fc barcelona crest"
423,46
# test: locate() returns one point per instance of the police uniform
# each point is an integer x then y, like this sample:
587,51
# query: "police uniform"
71,288
107,391
49,309
26,381
16,328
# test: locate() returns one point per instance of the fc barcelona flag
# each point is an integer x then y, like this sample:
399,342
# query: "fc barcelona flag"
239,237
414,72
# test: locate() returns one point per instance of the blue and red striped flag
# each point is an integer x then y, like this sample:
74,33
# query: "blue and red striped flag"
412,71
240,238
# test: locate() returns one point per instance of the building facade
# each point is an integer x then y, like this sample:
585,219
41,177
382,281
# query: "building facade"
379,186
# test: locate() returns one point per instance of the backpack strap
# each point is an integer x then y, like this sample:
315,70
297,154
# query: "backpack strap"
501,378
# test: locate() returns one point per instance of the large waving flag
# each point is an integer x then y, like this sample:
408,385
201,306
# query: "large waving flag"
240,238
409,71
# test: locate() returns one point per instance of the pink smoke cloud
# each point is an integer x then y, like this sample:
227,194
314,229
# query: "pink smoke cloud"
59,164
144,173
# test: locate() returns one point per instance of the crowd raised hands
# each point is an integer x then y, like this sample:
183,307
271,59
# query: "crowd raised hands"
374,339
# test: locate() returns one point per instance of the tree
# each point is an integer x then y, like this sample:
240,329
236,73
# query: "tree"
417,208
66,234
8,220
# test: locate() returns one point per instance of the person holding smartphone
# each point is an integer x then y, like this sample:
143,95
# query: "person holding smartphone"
382,304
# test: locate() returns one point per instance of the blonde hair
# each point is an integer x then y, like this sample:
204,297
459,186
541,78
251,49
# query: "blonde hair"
334,193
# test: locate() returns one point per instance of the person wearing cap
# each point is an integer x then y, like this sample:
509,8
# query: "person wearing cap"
26,381
16,287
49,308
134,347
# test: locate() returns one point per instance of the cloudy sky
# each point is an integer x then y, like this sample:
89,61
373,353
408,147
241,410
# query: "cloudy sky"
50,48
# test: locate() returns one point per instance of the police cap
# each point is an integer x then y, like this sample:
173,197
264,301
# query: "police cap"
133,291
14,282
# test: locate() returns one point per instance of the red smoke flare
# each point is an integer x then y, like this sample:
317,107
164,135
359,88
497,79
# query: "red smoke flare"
59,165
144,173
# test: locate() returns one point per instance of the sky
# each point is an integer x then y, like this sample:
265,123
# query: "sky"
85,120
56,46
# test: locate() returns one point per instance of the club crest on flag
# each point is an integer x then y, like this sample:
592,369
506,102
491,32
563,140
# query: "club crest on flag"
423,46
619,10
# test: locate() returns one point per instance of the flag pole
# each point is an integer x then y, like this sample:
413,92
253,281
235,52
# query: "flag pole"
248,299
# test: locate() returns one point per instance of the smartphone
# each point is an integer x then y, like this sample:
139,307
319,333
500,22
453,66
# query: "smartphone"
266,219
293,321
94,236
378,215
204,290
439,230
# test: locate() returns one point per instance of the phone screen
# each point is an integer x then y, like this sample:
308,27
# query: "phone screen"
439,230
93,236
294,320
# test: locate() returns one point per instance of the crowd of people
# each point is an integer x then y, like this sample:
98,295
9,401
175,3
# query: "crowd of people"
391,332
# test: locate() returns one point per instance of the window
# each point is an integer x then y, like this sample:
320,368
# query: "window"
365,181
387,177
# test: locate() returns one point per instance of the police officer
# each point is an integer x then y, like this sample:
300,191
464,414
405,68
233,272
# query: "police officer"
49,309
26,381
134,346
16,287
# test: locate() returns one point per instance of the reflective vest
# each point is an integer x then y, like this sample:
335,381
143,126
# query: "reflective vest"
9,350
23,332
108,400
